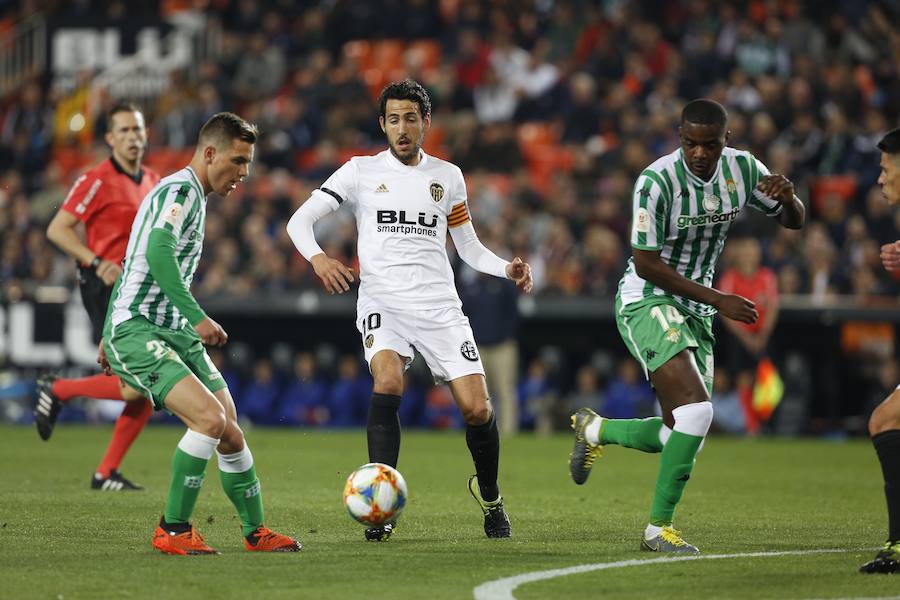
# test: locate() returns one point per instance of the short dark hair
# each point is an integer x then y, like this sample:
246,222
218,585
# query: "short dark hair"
890,143
704,112
120,108
408,89
225,126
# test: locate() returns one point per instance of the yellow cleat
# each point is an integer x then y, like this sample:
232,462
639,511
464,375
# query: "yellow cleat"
583,454
668,540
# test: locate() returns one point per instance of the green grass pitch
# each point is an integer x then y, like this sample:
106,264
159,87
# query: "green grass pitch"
59,539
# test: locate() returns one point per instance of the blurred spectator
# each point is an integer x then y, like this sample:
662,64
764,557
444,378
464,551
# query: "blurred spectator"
440,409
628,395
259,400
305,400
537,396
587,390
349,395
229,373
25,136
582,116
728,413
748,343
260,69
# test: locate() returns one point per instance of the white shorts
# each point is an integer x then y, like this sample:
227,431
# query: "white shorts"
442,336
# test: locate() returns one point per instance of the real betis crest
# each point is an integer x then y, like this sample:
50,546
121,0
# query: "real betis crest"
437,191
730,186
711,203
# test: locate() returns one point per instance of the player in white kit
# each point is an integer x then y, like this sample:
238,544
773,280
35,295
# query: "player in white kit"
404,202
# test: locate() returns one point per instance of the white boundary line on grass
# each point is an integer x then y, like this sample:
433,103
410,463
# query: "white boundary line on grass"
502,589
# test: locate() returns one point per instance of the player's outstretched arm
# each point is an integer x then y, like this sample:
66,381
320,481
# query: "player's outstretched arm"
651,267
779,187
477,256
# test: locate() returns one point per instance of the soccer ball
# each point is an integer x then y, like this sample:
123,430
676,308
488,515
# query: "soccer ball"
375,494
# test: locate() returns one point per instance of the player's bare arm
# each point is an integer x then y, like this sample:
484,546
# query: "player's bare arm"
335,275
651,267
62,231
780,188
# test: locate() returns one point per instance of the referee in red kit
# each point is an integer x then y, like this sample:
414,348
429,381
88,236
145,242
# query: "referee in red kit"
105,199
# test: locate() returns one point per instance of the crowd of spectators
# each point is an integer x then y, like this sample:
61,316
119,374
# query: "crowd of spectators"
550,108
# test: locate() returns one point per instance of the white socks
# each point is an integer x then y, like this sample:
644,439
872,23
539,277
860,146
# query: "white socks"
693,419
198,445
651,531
664,433
239,462
592,431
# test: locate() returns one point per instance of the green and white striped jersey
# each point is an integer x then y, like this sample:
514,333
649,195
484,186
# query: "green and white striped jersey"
687,219
177,204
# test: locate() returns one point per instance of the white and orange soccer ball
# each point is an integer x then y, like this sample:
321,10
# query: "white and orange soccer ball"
375,494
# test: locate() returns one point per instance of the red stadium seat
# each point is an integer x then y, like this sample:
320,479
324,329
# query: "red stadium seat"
166,161
388,54
535,137
360,52
843,186
429,50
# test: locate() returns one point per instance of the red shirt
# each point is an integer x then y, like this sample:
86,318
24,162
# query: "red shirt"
106,200
761,288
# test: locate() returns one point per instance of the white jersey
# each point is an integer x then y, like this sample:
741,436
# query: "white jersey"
686,219
402,215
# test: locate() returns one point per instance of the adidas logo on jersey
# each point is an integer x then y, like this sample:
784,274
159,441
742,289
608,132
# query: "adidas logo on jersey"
381,189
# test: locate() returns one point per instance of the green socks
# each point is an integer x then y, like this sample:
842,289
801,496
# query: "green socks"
675,467
188,470
238,480
692,423
242,487
640,434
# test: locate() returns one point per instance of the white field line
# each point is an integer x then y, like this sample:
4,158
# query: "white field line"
502,589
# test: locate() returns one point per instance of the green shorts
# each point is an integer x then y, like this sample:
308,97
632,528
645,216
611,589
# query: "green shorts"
656,329
152,359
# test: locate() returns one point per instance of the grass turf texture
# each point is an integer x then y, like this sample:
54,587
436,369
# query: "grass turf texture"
60,539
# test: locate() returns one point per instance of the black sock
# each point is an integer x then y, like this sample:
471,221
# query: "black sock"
383,429
175,528
887,445
484,444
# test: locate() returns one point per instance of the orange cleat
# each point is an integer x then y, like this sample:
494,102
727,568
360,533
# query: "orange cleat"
188,543
266,540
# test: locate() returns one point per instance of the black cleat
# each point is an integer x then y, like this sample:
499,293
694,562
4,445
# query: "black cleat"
116,482
47,407
380,534
496,522
886,561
